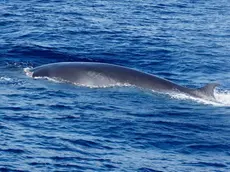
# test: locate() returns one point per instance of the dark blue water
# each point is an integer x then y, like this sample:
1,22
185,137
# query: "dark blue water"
51,126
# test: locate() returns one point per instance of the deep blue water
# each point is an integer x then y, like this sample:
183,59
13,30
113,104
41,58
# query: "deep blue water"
51,126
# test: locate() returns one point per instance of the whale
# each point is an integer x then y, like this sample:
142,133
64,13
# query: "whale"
95,74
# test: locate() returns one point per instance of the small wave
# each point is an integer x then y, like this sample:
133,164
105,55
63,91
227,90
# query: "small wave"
14,150
205,164
11,169
147,170
2,79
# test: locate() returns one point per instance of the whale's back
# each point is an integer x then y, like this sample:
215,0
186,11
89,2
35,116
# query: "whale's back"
102,75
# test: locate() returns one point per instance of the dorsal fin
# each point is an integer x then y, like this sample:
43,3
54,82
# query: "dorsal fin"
208,90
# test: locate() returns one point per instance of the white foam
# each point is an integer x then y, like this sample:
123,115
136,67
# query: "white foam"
5,79
222,98
28,72
102,86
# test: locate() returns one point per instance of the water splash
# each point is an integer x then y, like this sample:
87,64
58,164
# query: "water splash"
28,72
222,98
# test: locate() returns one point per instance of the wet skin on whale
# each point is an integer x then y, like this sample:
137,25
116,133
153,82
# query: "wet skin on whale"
103,74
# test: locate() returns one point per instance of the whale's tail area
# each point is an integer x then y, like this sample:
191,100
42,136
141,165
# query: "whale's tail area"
206,92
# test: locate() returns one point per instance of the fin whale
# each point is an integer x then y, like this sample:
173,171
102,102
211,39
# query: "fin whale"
103,74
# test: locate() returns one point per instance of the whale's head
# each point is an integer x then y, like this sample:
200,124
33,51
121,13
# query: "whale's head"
40,72
60,71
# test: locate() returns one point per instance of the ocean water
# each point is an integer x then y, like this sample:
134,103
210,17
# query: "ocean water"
53,126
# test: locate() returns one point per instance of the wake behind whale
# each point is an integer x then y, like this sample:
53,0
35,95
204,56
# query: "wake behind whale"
103,74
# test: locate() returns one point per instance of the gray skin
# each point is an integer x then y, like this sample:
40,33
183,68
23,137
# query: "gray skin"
103,74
